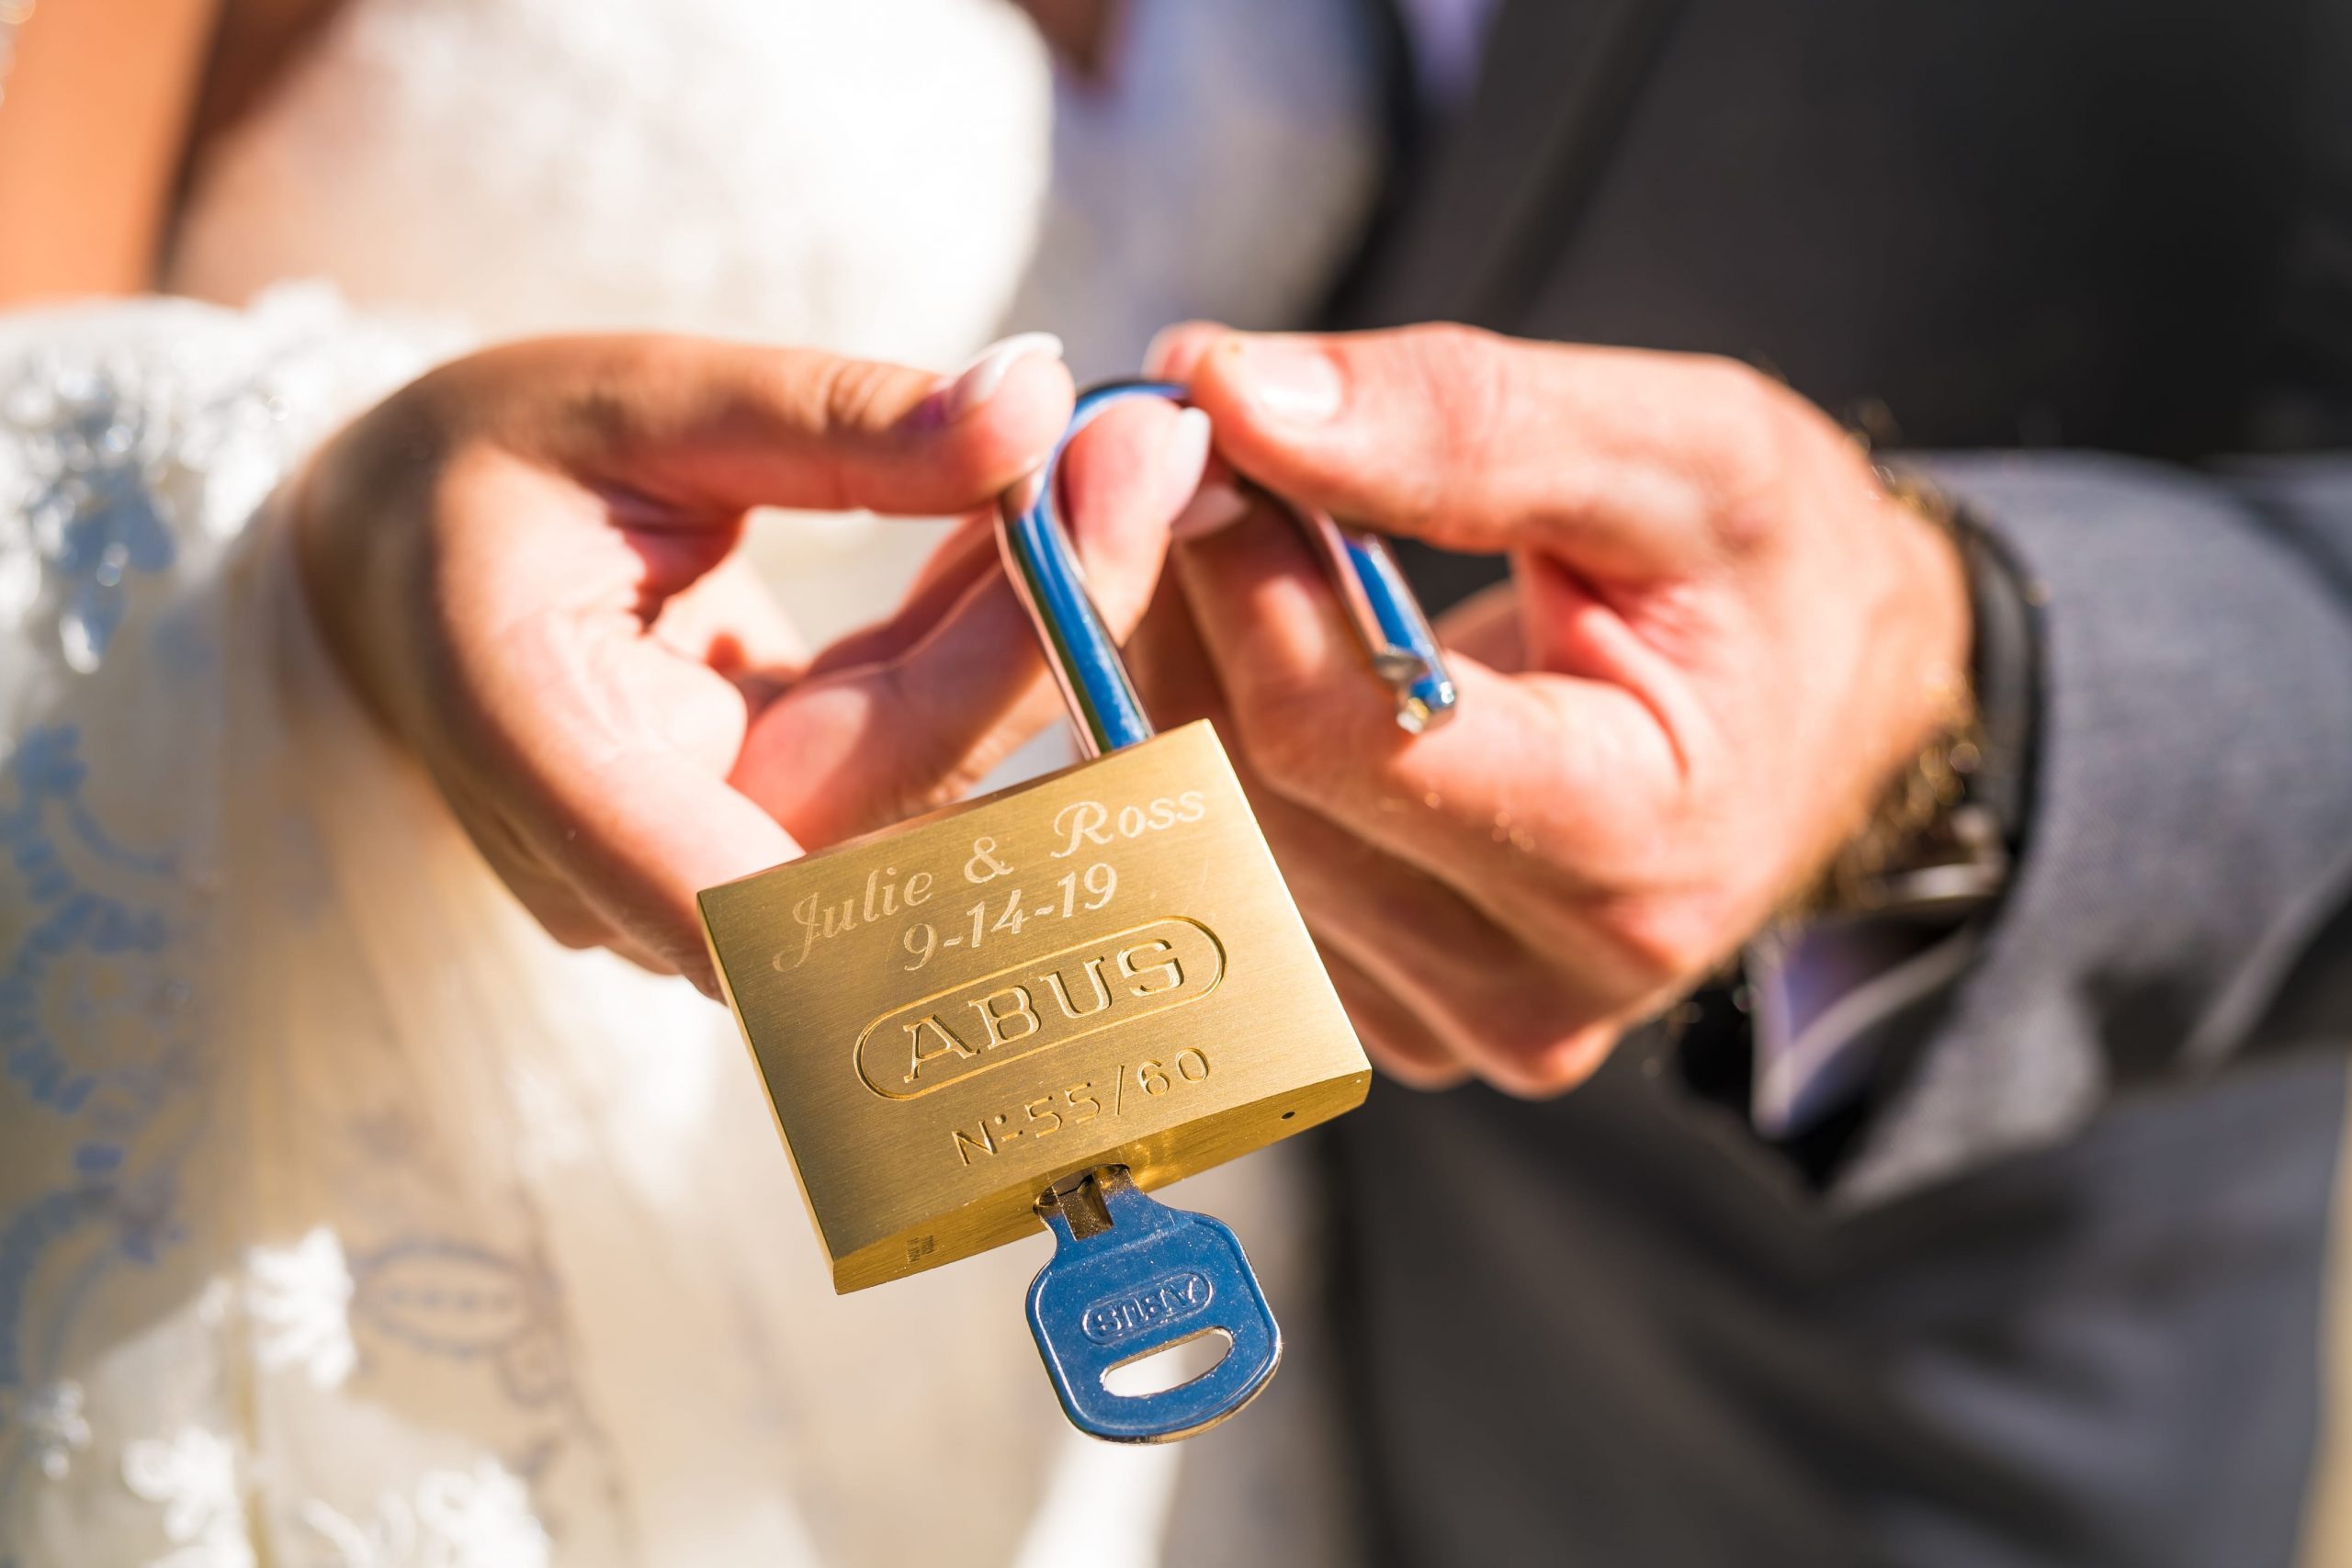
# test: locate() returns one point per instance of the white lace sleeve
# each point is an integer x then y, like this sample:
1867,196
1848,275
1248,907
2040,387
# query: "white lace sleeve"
137,440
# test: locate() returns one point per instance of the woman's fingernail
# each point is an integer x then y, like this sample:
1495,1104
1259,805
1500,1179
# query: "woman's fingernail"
1214,504
1188,445
1217,505
1288,379
979,381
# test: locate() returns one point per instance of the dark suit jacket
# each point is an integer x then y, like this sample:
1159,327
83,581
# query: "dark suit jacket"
2062,1299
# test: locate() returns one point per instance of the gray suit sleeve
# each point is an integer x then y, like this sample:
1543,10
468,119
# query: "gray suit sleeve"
2192,822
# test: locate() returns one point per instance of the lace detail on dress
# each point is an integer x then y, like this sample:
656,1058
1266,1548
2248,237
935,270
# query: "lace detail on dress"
464,1303
51,1415
299,1301
478,1518
471,1519
193,1475
296,1301
87,999
117,458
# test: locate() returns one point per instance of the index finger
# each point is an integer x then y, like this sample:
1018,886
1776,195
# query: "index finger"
706,427
1624,462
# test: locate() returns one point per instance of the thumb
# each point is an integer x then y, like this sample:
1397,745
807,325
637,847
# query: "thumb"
1619,462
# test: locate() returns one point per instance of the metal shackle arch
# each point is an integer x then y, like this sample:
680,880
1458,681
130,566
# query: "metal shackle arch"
1105,710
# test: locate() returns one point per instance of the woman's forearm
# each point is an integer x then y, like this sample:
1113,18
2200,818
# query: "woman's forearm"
93,133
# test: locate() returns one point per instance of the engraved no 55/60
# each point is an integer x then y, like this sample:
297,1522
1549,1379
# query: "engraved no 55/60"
1080,1103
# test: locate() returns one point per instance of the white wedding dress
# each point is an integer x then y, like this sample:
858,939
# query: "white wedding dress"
345,1219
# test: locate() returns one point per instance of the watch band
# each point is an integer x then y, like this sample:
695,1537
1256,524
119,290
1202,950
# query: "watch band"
1957,862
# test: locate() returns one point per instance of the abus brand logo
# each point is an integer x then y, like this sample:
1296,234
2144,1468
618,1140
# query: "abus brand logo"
1170,1300
1034,1006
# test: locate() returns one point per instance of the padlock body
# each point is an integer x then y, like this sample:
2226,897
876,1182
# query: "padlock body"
1100,967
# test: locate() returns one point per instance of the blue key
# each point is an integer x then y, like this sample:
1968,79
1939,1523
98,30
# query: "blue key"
1131,1277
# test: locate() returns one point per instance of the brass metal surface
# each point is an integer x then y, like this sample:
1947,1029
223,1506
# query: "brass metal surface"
1101,967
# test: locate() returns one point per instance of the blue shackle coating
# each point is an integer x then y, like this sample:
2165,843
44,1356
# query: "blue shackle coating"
1103,707
1038,556
1403,648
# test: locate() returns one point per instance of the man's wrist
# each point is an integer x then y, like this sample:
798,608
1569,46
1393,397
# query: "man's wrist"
1939,843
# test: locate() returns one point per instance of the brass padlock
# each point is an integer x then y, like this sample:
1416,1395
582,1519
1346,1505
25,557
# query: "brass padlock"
967,1016
1101,967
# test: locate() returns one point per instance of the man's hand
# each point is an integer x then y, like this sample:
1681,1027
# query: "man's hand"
1721,640
527,562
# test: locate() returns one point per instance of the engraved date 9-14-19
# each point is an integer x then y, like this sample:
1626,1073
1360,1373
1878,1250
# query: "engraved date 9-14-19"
825,915
1089,890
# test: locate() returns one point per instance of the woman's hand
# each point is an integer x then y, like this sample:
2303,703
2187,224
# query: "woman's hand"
1721,639
526,563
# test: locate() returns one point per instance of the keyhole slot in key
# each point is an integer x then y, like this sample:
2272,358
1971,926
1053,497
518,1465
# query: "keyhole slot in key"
1171,1366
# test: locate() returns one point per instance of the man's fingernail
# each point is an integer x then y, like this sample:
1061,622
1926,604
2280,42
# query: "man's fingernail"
1217,505
1288,379
1174,350
977,382
1156,352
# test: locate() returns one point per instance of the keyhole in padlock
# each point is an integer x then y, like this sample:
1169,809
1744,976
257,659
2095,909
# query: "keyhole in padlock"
1080,1198
1171,1366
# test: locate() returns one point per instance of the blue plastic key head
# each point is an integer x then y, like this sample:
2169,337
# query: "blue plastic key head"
1151,1278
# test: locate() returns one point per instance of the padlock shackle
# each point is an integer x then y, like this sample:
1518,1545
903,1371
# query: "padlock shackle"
1105,714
